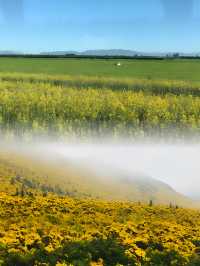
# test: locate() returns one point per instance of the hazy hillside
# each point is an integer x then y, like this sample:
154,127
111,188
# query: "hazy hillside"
37,173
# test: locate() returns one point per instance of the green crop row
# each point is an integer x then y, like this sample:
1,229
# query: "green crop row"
155,87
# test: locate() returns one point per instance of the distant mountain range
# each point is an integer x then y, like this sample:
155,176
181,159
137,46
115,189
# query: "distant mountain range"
102,52
9,52
116,52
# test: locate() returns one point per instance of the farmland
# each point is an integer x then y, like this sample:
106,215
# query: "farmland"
87,105
54,215
187,70
50,230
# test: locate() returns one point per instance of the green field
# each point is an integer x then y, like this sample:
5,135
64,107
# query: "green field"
187,70
54,214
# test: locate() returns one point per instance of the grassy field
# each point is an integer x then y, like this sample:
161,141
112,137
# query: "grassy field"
187,70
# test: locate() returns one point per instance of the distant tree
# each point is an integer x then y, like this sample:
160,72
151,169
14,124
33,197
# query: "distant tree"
44,194
22,192
58,190
151,203
17,192
18,178
12,181
176,55
30,194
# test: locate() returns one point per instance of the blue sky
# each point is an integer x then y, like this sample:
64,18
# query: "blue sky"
142,25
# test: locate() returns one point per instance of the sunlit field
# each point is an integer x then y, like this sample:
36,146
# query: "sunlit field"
87,106
58,205
171,69
50,230
99,133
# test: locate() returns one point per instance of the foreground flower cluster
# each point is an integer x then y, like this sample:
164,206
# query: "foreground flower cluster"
52,230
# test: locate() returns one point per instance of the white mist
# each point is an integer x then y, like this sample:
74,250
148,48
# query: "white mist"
178,165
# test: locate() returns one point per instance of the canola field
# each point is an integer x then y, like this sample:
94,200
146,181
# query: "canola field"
59,105
52,230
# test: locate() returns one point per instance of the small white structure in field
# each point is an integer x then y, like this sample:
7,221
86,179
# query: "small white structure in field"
119,64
